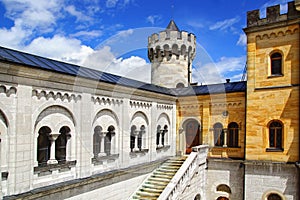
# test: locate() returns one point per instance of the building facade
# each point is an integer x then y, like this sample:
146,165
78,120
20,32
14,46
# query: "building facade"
68,131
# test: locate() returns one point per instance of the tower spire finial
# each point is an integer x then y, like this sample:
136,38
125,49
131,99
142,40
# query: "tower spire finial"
172,9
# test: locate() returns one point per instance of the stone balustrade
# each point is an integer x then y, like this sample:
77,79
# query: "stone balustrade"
196,161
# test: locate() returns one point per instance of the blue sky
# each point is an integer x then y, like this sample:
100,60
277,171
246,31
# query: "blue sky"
111,35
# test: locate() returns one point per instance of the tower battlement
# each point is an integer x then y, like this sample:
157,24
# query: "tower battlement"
273,15
170,43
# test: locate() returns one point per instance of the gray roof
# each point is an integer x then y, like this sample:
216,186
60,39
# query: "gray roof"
14,56
172,26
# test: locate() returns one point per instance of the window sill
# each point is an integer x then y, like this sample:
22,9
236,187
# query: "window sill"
163,148
139,153
100,159
275,75
274,150
48,169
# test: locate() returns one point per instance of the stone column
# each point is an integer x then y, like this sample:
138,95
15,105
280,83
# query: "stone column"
52,138
161,132
136,134
102,136
225,137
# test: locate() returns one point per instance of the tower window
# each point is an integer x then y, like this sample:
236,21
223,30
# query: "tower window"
233,134
276,64
275,135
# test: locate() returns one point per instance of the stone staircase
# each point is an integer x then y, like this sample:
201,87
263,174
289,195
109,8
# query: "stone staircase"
159,179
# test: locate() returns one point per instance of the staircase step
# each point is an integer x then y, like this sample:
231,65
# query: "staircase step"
159,179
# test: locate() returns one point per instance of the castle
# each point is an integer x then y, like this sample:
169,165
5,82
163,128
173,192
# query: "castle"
69,132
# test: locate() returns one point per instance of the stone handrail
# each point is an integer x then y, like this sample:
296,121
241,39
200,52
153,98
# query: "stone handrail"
183,176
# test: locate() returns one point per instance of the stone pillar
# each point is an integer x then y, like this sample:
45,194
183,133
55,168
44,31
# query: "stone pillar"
136,134
102,143
52,138
225,137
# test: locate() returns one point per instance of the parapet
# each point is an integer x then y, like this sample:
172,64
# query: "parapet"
168,43
273,15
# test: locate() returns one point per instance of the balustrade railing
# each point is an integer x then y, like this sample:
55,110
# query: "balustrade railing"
182,178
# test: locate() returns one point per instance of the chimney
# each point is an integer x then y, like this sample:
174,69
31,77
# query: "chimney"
228,80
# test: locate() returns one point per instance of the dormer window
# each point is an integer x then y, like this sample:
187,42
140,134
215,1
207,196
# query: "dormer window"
276,64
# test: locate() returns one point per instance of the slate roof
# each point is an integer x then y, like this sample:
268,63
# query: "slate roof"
172,26
212,89
14,56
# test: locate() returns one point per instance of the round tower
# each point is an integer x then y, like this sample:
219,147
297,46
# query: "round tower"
171,53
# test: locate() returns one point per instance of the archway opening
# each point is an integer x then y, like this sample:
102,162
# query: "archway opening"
192,135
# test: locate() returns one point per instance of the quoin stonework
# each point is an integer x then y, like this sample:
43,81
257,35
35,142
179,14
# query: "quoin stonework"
70,132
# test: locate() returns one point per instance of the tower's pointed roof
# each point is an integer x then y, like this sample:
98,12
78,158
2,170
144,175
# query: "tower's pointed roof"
172,26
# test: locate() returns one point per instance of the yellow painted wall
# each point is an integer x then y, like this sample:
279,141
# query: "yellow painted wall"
272,98
207,110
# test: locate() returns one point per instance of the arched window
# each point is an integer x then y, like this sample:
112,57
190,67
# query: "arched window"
222,198
274,196
197,197
276,64
276,135
180,85
218,134
61,144
108,138
224,188
43,146
97,140
233,134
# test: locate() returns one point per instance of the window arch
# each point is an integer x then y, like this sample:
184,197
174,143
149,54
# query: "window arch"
224,188
276,135
44,145
276,63
180,85
218,134
233,134
274,196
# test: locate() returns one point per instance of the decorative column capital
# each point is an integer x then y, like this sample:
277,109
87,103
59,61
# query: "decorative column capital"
53,136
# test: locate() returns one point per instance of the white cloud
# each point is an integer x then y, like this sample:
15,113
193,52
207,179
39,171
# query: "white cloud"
242,40
59,47
152,19
133,67
217,72
79,15
31,14
87,34
225,24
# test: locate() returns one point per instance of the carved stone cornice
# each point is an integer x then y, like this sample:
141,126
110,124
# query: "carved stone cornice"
7,90
106,101
55,95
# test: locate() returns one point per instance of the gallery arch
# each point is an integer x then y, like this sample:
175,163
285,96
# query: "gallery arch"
53,136
139,132
105,133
